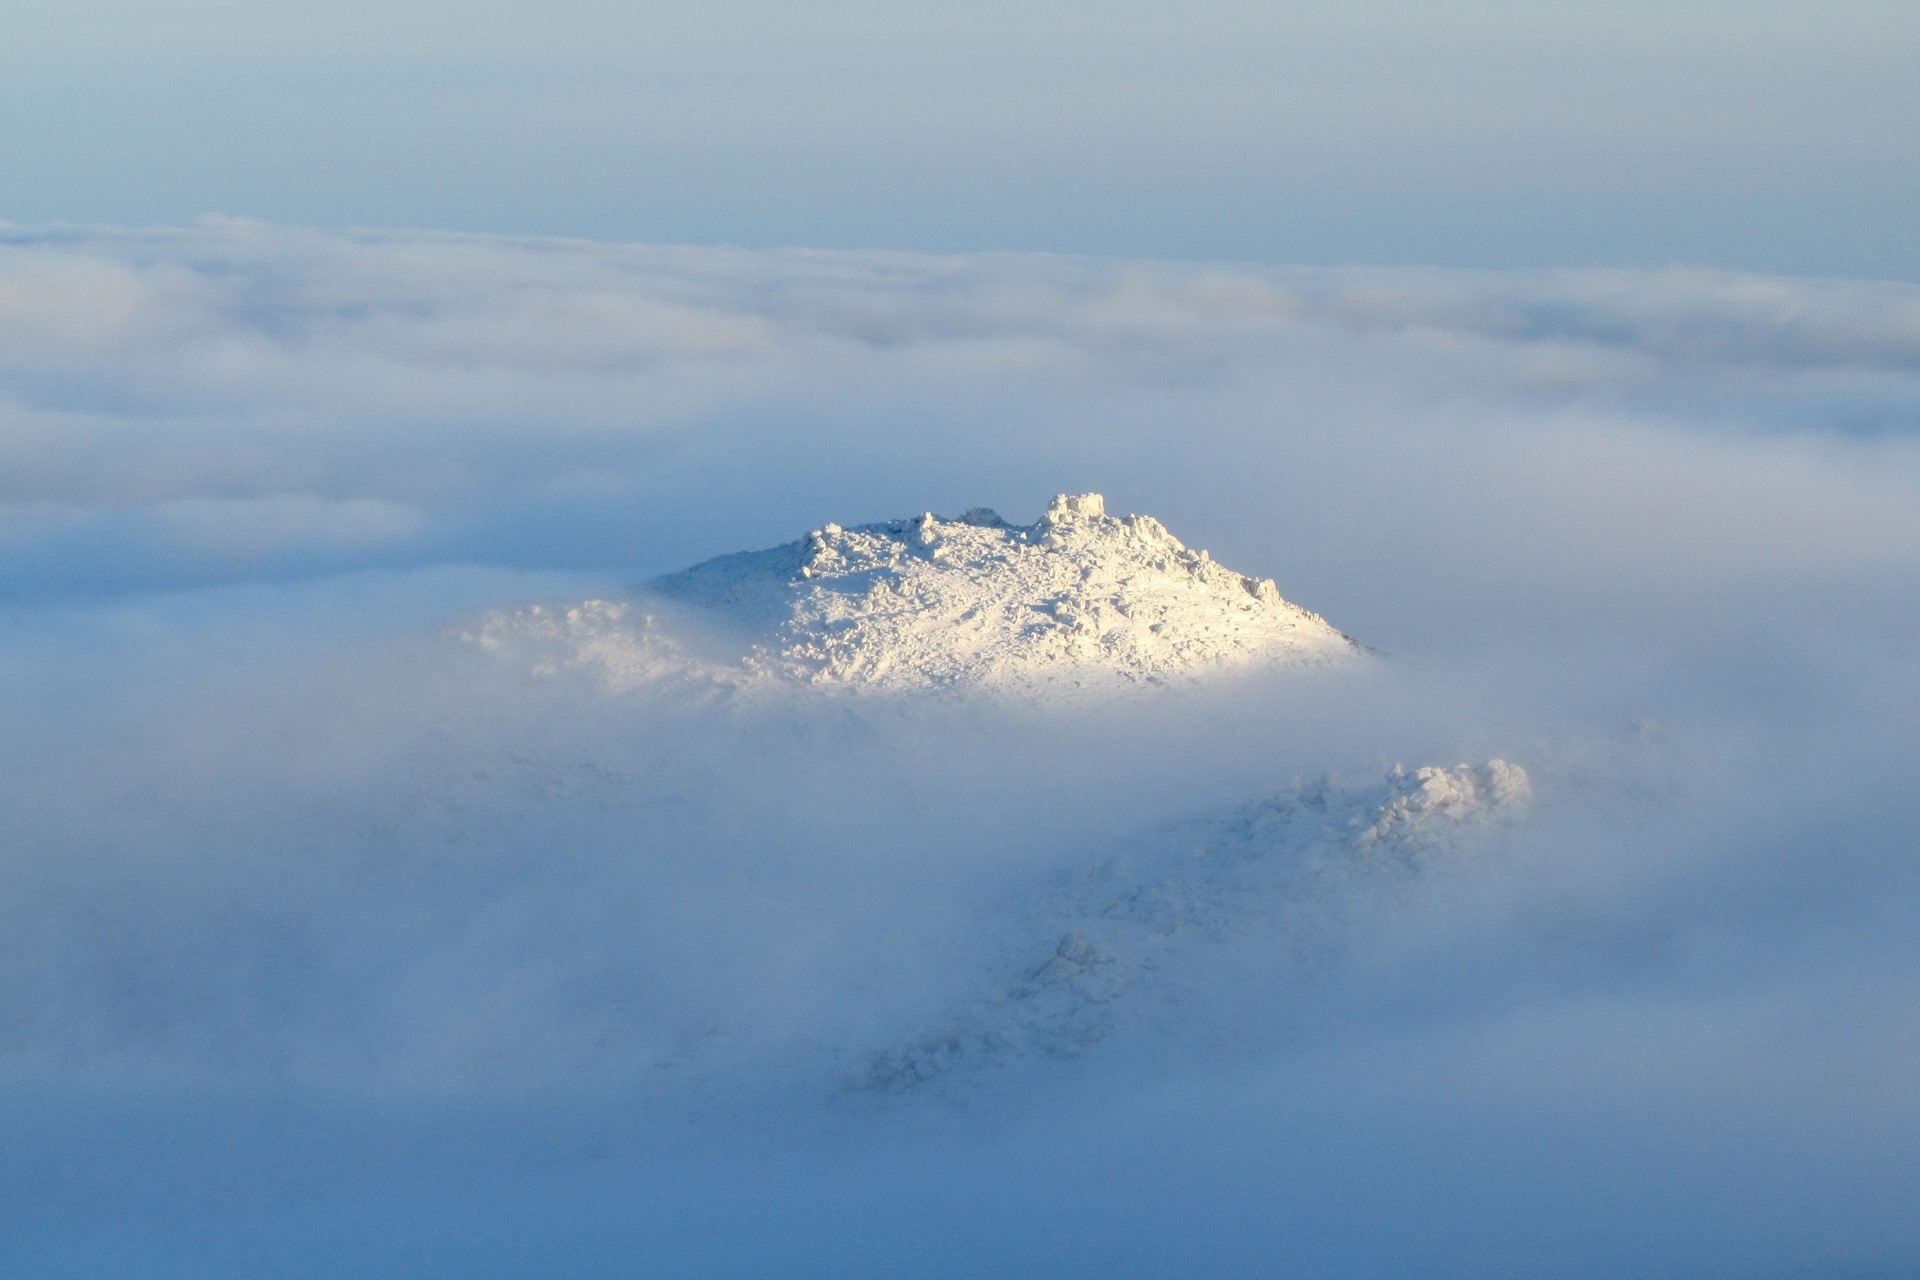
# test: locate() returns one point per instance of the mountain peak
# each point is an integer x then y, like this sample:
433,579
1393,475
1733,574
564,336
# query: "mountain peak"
978,600
1076,598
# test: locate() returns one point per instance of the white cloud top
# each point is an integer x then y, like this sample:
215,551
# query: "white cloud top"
486,395
333,944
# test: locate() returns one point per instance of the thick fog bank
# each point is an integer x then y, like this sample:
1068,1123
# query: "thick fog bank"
333,941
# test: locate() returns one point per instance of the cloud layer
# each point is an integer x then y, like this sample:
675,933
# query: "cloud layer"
237,402
330,942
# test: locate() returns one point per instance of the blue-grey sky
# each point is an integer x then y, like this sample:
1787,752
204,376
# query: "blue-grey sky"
1777,135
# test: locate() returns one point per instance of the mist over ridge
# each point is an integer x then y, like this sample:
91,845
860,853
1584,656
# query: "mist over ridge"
444,958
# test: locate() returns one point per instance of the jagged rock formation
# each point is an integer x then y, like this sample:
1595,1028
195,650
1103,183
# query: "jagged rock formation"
1078,596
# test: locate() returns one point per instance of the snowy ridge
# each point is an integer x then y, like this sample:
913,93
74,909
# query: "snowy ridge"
1078,597
1118,942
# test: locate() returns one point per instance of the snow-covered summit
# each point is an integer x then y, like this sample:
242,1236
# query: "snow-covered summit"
977,600
1078,596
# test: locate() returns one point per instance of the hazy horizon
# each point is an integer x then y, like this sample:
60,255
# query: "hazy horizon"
1773,136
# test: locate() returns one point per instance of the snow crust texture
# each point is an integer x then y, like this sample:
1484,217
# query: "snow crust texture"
1079,597
1267,892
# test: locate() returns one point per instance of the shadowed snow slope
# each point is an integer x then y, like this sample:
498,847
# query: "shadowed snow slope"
1133,937
1079,597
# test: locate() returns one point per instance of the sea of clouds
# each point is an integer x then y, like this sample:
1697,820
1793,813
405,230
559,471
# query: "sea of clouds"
331,944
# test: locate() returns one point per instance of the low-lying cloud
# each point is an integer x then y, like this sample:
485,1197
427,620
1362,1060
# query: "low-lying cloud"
332,942
558,404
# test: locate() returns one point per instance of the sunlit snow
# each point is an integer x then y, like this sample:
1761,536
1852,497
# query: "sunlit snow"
1079,597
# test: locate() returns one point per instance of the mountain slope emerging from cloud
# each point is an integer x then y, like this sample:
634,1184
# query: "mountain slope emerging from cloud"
1137,936
1078,598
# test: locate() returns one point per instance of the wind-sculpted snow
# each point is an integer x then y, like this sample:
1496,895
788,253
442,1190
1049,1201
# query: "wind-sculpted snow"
1127,939
1079,597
